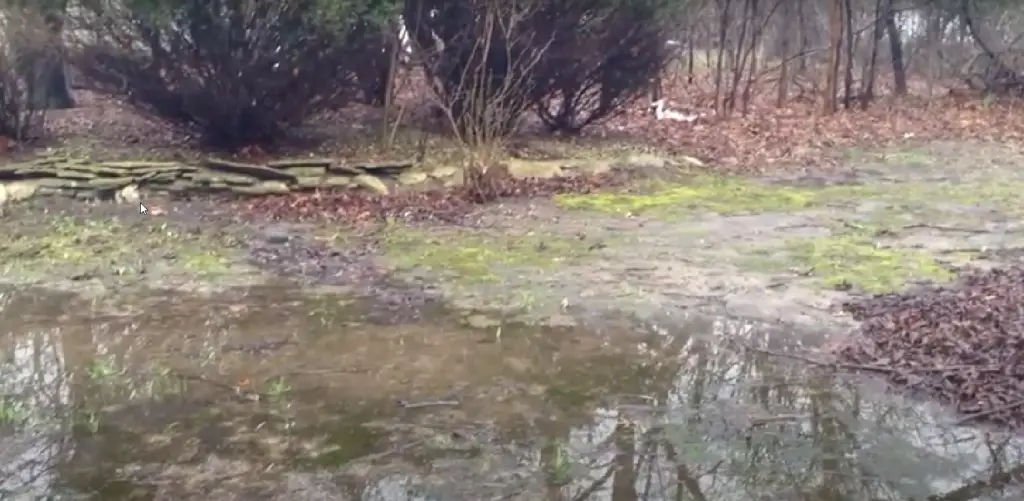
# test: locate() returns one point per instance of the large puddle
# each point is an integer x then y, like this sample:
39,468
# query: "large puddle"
269,394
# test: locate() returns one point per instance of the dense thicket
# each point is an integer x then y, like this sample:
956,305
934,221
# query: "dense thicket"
573,61
245,71
238,72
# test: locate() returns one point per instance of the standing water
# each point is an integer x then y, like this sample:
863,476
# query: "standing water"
274,394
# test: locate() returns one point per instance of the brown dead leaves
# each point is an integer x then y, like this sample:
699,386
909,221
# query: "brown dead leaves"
450,205
799,137
963,343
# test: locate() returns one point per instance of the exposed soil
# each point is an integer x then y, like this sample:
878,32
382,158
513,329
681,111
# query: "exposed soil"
105,247
778,249
775,249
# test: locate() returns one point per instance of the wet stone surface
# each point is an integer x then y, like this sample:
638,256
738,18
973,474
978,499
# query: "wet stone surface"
137,398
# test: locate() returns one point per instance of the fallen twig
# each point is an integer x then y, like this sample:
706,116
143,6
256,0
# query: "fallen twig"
428,403
943,228
989,412
886,369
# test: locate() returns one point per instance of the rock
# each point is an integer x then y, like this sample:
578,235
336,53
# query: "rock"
307,171
372,183
221,178
412,177
10,171
138,164
128,194
298,163
345,170
522,169
53,182
308,183
109,182
394,166
31,172
263,188
444,172
696,162
251,170
73,174
21,190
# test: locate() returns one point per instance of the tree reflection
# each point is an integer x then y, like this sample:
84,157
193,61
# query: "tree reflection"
742,426
32,443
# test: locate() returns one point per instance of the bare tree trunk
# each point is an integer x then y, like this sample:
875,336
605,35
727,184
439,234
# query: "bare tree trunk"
850,38
738,62
784,49
899,71
933,39
804,42
870,70
690,41
723,35
832,67
755,43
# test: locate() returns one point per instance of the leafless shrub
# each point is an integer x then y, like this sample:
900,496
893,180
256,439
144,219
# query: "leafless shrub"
603,56
483,81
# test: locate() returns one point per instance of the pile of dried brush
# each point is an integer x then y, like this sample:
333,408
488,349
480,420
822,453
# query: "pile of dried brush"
962,343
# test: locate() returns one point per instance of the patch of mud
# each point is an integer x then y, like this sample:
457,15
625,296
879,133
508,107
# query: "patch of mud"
296,252
183,244
81,245
770,249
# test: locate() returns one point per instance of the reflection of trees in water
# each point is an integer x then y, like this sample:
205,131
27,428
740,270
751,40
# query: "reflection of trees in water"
34,390
710,424
735,426
45,359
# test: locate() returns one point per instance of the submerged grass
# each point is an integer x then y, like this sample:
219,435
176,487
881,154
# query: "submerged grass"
477,256
69,245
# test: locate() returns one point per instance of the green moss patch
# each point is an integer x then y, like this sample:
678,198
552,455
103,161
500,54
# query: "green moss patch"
850,260
734,196
477,256
722,195
67,245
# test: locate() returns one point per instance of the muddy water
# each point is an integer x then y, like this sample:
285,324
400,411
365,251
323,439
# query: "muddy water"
268,394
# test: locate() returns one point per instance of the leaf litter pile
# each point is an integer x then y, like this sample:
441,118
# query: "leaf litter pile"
450,205
962,343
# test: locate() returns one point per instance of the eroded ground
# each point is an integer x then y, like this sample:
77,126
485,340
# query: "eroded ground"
90,246
782,249
272,394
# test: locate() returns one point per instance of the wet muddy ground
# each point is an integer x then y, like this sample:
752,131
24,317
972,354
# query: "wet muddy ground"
193,355
270,393
776,250
782,249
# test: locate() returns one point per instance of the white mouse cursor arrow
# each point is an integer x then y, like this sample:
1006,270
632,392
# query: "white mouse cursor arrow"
143,210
